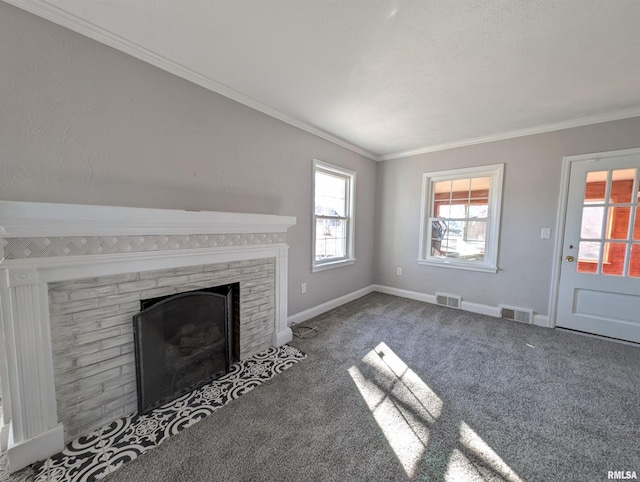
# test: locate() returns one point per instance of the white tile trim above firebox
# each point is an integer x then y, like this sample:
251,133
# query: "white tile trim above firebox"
35,431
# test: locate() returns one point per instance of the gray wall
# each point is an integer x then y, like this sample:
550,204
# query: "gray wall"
529,203
83,123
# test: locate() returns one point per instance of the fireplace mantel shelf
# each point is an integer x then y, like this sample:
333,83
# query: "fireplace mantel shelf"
30,219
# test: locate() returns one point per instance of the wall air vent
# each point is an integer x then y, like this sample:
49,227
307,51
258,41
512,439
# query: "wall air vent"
452,301
522,315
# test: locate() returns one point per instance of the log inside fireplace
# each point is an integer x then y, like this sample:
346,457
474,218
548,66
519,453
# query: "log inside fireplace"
182,342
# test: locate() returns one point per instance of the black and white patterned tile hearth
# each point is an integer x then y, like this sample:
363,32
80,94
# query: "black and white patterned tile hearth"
93,456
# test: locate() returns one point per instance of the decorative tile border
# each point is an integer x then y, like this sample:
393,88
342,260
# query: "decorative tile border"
26,248
93,456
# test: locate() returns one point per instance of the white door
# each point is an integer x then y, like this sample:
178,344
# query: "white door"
599,290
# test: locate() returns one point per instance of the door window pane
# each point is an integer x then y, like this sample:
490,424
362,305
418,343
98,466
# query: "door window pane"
634,263
588,256
618,222
622,185
604,242
596,186
614,258
592,222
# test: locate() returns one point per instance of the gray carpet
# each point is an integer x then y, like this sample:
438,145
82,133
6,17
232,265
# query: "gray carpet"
449,395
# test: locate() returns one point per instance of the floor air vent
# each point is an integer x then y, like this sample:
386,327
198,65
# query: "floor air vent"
452,301
522,315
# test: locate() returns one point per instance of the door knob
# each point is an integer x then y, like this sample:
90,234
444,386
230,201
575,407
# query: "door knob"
569,259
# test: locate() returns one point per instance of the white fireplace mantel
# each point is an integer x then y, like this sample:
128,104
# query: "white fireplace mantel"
27,370
26,219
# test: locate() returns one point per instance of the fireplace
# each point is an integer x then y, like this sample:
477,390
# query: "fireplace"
181,342
71,280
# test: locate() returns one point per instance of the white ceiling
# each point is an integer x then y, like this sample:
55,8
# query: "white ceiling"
388,78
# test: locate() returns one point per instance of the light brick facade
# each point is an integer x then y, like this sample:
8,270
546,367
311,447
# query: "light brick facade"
92,332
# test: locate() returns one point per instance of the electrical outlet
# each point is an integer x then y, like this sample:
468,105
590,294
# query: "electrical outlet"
399,271
303,288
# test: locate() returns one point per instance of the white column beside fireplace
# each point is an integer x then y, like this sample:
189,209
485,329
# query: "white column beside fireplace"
43,243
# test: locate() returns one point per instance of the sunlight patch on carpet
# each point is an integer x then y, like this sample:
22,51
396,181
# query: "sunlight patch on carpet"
401,403
405,409
478,447
460,468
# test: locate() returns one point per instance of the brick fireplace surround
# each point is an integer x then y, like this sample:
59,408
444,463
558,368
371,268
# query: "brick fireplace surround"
71,279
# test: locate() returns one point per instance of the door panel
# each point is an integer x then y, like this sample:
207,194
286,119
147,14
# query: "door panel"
599,290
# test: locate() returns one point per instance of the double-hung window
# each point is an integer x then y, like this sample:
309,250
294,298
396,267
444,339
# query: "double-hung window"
461,218
333,197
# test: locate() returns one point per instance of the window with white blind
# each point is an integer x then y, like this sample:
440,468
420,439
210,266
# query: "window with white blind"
333,221
461,218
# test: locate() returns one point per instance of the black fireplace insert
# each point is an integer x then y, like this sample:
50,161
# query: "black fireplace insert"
182,342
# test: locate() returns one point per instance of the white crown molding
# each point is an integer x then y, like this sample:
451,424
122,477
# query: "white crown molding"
30,219
583,121
56,15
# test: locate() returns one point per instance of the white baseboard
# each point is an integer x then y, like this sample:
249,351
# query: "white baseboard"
481,309
412,295
329,305
541,320
4,437
538,320
282,337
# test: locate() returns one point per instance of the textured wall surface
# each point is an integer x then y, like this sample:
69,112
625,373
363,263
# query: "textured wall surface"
83,123
92,332
533,167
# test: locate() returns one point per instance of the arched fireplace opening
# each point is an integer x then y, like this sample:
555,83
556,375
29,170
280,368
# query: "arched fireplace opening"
183,341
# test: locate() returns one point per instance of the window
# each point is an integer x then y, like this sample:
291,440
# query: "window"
609,230
333,194
461,218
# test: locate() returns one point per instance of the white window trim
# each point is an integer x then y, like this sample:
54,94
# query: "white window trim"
490,264
317,266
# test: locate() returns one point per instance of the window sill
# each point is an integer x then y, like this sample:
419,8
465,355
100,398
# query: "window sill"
463,266
332,264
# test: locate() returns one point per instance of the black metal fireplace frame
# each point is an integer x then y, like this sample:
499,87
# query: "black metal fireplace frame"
227,293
